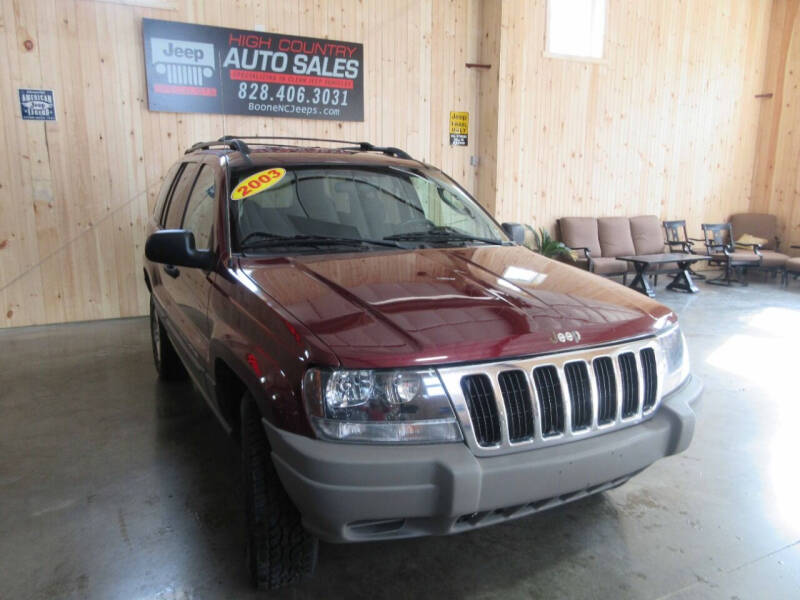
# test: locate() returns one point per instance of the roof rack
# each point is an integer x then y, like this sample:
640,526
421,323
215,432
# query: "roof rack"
237,142
388,150
233,144
226,138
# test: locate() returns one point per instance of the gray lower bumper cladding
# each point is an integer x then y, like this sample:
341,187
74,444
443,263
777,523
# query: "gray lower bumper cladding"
358,492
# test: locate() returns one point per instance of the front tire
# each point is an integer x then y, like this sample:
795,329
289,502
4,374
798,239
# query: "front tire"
168,363
280,551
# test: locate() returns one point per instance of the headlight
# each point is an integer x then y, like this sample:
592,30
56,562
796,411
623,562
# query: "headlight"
676,359
403,406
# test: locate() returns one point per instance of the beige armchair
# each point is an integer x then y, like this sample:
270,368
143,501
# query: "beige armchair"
766,227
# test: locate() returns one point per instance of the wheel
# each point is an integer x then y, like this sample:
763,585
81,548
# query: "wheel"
168,363
280,551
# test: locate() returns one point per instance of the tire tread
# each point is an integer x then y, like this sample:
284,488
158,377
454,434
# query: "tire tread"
171,367
281,551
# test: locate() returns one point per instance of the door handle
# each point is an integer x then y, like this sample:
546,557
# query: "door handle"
172,270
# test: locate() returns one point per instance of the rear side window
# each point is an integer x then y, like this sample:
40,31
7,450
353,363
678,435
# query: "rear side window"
180,193
169,179
200,209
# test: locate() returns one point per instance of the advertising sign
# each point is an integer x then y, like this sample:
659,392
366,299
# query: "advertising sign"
199,68
37,105
459,128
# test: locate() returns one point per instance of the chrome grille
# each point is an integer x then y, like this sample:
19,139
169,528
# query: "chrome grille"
517,400
630,384
514,405
483,408
650,372
548,390
580,396
606,390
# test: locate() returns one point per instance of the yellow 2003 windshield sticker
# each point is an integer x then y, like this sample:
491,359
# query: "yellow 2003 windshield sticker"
258,183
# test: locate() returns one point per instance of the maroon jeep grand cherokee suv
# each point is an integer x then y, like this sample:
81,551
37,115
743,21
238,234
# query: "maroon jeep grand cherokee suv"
394,363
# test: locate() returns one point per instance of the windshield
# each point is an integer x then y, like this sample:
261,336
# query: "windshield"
386,207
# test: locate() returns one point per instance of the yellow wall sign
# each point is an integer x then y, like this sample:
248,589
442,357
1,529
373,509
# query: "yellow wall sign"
258,182
459,128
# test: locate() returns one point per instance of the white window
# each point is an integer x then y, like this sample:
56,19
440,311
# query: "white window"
576,28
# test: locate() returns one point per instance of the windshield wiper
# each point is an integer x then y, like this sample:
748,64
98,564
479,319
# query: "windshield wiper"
260,239
441,234
258,234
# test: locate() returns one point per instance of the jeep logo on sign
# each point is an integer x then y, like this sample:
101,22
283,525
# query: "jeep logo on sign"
183,62
563,337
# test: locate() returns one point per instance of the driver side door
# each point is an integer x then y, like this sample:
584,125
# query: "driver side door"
191,286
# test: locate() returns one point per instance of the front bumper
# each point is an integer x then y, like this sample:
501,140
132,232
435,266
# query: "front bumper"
358,492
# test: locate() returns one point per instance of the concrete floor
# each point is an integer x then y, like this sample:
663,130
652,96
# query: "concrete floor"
113,485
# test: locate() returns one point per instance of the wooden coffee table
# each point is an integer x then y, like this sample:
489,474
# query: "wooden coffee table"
681,281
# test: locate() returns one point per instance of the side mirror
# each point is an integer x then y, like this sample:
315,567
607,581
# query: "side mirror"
515,231
176,247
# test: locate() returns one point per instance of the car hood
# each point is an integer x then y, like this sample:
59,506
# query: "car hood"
444,306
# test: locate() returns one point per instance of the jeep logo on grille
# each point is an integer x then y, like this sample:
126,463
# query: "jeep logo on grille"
563,337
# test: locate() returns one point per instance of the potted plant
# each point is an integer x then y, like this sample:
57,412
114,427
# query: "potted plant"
544,244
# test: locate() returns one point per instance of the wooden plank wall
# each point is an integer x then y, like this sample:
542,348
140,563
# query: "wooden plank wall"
667,124
776,176
491,34
75,194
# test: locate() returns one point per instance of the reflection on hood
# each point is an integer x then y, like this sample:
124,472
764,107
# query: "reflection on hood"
454,305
